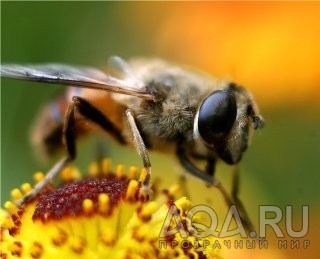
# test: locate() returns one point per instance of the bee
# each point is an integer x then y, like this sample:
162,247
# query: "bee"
149,104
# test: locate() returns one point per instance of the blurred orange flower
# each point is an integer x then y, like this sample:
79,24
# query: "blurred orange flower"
270,47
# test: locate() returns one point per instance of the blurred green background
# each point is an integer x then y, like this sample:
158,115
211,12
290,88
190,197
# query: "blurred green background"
280,168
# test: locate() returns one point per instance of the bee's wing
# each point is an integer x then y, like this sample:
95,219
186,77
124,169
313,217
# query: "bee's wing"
74,76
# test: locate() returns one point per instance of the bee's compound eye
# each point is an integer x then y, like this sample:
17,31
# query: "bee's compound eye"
216,116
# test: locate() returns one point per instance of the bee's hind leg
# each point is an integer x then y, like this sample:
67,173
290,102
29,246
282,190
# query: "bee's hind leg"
48,178
90,113
69,137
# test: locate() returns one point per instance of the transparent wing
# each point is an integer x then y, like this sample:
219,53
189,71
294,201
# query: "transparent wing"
120,67
74,76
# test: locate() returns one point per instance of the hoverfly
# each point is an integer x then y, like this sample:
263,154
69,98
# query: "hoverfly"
150,104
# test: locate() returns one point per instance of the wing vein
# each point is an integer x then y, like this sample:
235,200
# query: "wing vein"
74,76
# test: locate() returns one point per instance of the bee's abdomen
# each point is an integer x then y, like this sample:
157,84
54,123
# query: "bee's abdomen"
46,133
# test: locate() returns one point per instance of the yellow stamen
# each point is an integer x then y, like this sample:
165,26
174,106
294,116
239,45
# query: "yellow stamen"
108,237
93,169
148,210
26,187
104,203
59,237
65,173
10,207
87,206
183,204
38,177
120,170
132,189
133,172
16,194
16,248
106,164
174,189
76,174
78,244
143,174
7,223
36,250
70,173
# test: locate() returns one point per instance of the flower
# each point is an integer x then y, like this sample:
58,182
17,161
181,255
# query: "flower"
100,216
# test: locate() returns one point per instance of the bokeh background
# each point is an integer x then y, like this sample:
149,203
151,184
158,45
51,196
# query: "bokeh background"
270,47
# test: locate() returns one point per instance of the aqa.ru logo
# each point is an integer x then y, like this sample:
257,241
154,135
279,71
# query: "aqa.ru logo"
200,230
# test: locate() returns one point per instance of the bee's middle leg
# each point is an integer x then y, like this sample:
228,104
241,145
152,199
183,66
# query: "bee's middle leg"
142,150
69,138
92,114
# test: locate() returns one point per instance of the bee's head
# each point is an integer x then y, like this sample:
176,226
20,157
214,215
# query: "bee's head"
224,121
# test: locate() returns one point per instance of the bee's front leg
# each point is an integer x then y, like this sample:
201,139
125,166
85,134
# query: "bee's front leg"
234,193
90,113
181,153
207,175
